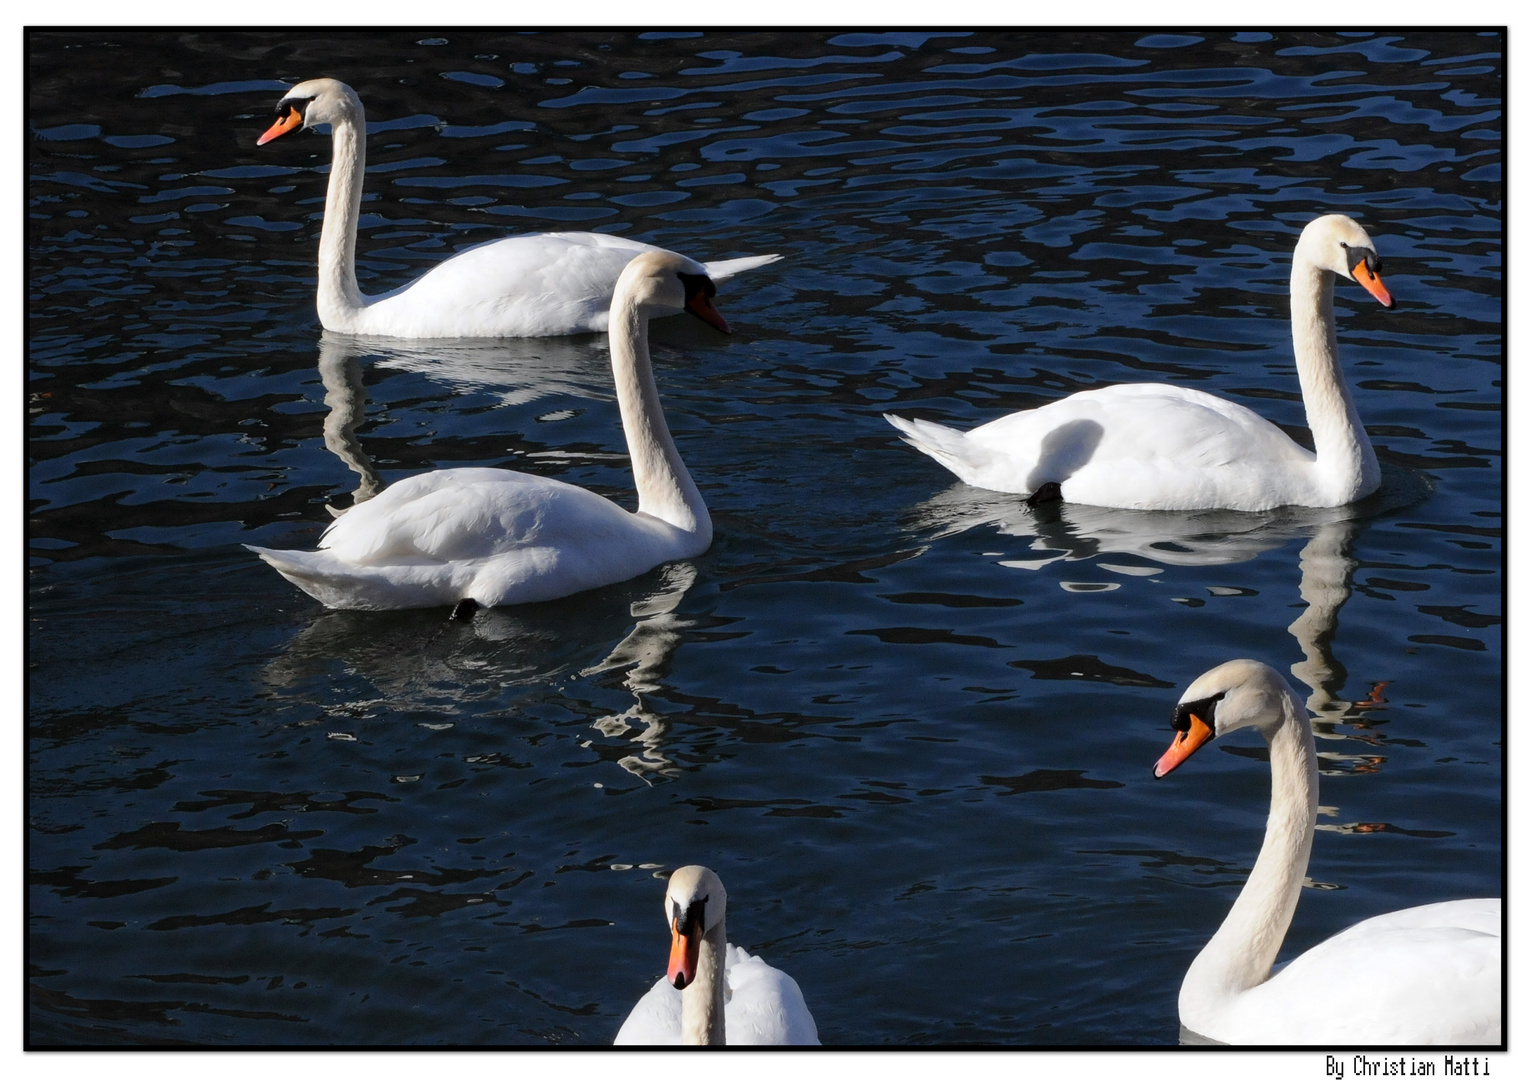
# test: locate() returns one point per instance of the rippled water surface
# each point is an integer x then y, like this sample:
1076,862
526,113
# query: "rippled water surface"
909,723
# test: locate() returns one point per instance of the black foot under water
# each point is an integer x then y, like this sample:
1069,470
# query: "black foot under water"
464,609
1050,491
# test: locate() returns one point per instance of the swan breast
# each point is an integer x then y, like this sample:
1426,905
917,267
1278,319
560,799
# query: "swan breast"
765,1007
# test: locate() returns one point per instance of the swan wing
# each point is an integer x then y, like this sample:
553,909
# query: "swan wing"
494,535
1134,445
720,270
1430,975
533,285
654,1021
458,514
766,1007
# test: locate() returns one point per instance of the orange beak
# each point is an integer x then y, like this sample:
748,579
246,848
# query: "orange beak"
1184,745
701,307
291,120
1370,280
683,957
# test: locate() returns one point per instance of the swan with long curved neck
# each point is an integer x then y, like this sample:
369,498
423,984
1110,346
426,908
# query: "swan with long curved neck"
1154,446
715,993
1423,975
495,536
521,286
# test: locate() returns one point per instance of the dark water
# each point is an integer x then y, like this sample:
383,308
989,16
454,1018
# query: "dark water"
910,724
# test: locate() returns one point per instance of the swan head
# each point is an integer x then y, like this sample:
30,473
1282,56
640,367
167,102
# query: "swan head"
1237,694
1338,243
668,282
694,904
317,101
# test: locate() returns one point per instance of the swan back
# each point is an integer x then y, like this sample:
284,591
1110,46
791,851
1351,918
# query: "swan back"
1427,975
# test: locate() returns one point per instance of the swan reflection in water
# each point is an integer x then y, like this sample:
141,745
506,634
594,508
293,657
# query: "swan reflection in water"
1074,533
517,371
339,366
359,666
643,656
1126,542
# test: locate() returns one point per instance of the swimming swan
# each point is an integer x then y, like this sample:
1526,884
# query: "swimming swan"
496,536
1424,975
753,1005
521,286
1152,446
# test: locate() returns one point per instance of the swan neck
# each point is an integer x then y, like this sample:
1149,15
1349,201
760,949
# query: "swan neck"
1345,463
664,487
345,395
703,1004
1241,954
339,296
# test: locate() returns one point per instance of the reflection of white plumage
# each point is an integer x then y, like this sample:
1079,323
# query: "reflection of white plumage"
1424,975
1153,446
742,1003
522,286
502,537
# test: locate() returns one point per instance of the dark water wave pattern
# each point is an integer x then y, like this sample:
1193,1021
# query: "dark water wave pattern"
910,724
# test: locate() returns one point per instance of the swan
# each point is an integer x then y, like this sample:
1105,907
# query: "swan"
1153,446
521,286
1424,975
753,1005
494,536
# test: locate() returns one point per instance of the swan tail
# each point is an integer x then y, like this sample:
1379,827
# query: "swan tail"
347,587
722,269
949,447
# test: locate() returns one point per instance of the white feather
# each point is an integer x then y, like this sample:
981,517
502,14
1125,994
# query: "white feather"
1153,446
1427,975
534,285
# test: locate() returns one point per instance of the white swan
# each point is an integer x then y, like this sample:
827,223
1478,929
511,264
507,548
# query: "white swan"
500,537
753,1005
1424,975
1152,446
522,286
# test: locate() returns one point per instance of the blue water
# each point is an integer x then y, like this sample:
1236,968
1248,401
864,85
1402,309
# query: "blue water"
910,724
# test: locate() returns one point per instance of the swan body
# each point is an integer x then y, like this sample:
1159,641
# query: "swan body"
521,286
739,1001
501,537
1427,975
1154,446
